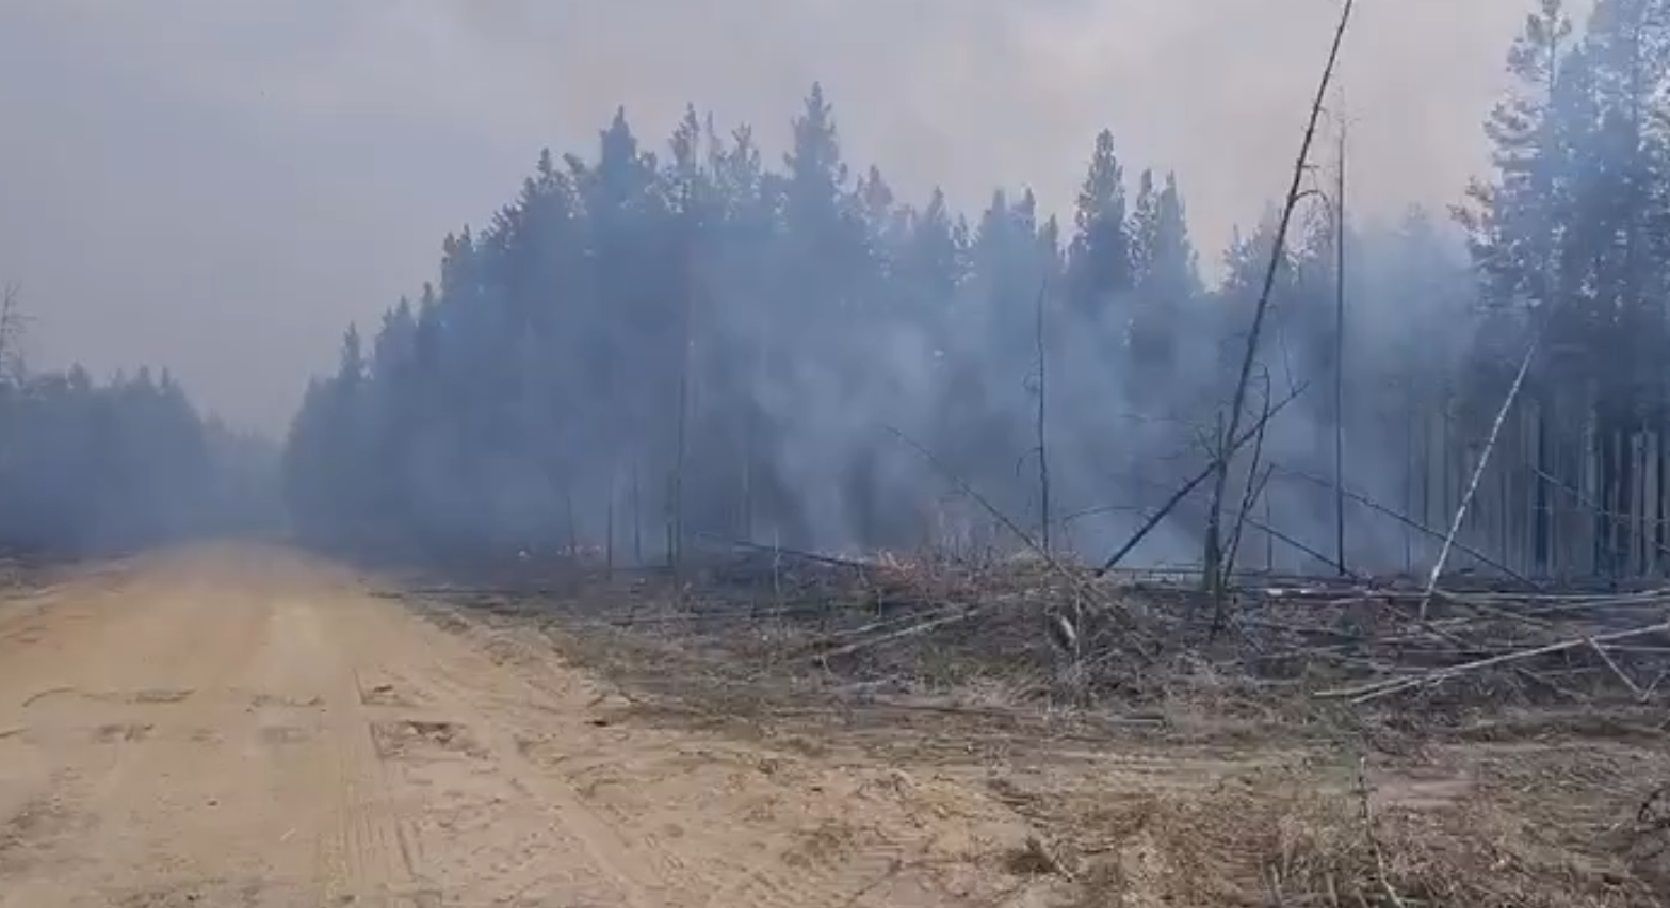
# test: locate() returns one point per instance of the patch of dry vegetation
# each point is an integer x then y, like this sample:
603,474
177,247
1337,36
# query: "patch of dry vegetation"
1175,762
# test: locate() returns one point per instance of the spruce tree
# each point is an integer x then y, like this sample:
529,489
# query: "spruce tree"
1099,258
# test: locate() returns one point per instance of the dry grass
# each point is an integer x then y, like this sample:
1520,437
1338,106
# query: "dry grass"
1173,767
1295,846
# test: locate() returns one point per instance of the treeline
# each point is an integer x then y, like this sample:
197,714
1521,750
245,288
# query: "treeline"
639,352
88,467
644,350
1571,241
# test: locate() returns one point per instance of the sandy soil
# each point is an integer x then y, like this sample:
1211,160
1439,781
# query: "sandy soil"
250,726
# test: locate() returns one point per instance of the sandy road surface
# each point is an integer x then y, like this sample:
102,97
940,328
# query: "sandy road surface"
248,726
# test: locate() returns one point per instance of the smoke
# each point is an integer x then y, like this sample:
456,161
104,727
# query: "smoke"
221,185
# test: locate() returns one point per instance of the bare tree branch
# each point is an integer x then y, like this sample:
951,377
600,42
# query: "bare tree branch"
1194,483
1404,519
1077,580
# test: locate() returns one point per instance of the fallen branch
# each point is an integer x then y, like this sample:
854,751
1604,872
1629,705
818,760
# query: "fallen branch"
1255,488
1254,492
793,553
1194,483
1478,473
1373,505
1535,678
1279,536
1366,692
1613,517
1653,687
1076,580
1606,658
890,623
1487,609
911,631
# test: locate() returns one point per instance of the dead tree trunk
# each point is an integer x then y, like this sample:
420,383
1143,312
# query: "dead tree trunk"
609,531
1408,477
573,531
1659,501
1539,513
748,475
1339,361
1213,544
1254,489
1043,448
637,521
675,525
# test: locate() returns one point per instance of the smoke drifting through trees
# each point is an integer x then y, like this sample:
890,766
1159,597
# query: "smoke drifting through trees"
645,347
88,467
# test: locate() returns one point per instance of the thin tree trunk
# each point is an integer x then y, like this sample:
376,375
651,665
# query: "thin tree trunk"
1632,494
637,520
1599,488
1408,478
1615,502
1540,515
675,529
1269,540
1426,474
675,521
573,531
1505,511
1213,545
1043,448
1339,363
1441,472
670,522
609,532
1659,499
1648,482
1255,490
748,475
1255,487
1193,483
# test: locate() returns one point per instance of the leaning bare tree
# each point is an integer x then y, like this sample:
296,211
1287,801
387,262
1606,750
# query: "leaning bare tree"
1214,521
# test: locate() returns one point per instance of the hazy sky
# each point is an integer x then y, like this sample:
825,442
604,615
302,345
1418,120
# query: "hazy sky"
220,186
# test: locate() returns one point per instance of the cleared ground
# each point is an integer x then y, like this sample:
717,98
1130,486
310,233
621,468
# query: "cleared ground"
249,726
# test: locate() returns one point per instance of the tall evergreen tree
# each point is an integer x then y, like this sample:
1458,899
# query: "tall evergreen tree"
816,174
1514,223
1165,274
1099,258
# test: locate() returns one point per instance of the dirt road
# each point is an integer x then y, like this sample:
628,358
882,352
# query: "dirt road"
249,726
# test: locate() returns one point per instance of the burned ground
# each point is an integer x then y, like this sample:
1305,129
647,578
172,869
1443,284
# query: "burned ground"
1308,742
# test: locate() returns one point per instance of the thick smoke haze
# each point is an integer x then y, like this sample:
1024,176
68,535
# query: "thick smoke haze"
220,186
